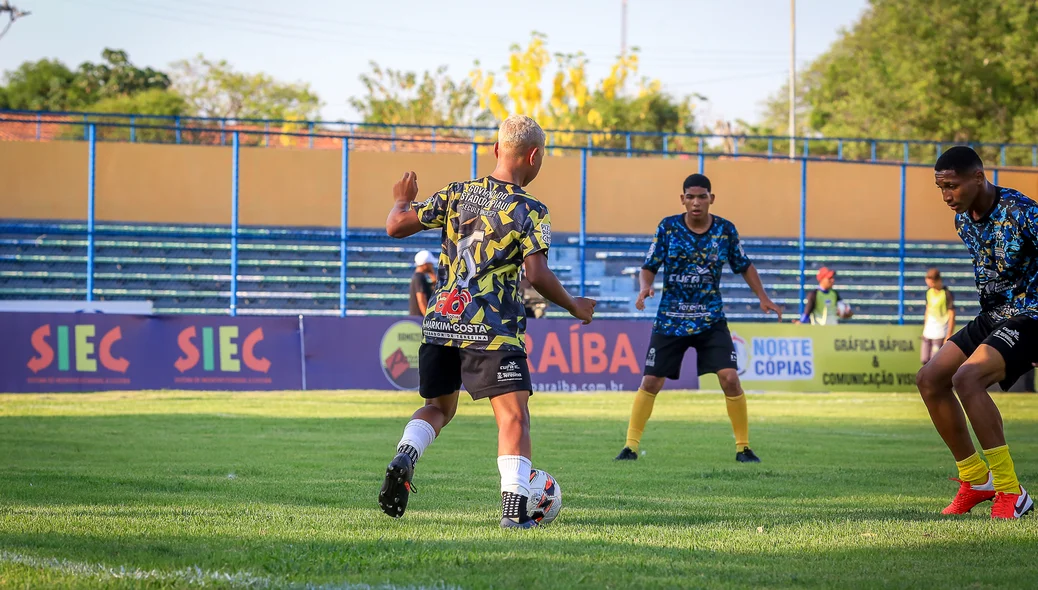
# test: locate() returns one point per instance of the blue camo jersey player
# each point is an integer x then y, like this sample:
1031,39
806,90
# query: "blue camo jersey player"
1000,229
693,248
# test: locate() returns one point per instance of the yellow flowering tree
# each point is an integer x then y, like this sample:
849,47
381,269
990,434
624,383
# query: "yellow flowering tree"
616,103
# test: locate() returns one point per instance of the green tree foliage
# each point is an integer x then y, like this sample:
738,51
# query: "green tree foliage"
44,85
960,71
612,104
116,77
432,98
49,85
156,101
215,89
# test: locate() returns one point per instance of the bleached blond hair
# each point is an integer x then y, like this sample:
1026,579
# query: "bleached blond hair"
519,133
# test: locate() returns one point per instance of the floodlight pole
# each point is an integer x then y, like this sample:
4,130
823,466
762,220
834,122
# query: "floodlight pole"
792,77
623,28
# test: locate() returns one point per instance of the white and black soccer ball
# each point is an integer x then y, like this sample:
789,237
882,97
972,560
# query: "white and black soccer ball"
545,497
843,310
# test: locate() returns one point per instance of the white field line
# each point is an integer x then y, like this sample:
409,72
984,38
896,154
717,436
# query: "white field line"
193,576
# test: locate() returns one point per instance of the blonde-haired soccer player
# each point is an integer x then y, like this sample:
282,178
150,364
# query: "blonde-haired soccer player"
473,335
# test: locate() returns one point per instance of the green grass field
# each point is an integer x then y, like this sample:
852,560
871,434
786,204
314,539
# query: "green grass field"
266,490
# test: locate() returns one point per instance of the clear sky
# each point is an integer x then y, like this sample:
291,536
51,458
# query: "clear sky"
735,52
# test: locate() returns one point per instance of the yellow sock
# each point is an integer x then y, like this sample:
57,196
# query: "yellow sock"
1002,470
640,413
740,422
973,469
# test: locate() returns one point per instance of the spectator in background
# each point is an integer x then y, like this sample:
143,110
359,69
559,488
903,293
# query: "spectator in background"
939,320
824,305
422,282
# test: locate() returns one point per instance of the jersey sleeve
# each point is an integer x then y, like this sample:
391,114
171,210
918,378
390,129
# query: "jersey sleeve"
536,232
432,212
1029,223
657,250
737,258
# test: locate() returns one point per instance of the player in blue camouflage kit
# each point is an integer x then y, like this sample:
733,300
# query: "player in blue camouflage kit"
1000,229
693,249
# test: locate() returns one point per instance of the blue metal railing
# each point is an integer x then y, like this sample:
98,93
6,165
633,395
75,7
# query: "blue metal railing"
343,235
837,148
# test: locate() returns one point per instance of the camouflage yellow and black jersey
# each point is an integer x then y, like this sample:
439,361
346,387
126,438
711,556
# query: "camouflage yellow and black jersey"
489,228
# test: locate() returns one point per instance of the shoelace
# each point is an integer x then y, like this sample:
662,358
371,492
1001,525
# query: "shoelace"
1005,505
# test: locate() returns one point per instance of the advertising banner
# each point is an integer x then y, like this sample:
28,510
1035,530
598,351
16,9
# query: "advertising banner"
42,352
382,353
859,358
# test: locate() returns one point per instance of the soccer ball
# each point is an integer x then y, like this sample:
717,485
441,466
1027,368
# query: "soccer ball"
545,497
843,310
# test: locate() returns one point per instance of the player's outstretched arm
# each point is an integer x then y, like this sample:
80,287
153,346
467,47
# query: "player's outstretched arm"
645,290
753,280
403,219
547,284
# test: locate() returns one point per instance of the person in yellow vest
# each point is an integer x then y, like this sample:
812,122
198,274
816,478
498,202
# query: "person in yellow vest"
939,321
824,306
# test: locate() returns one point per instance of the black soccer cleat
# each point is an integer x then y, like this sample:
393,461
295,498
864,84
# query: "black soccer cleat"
627,455
509,523
392,498
514,514
746,455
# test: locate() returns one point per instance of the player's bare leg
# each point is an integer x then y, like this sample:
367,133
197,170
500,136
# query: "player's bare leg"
438,412
982,369
971,378
512,412
735,400
971,381
935,387
424,427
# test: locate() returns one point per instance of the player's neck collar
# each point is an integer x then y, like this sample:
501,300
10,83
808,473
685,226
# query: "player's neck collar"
688,226
499,181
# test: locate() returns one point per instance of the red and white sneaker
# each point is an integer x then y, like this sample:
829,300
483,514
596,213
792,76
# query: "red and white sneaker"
969,495
1011,505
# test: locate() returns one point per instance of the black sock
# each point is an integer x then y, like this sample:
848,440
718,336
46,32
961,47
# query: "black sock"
410,452
514,506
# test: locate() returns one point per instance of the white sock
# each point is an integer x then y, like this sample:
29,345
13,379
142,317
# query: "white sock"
515,474
418,434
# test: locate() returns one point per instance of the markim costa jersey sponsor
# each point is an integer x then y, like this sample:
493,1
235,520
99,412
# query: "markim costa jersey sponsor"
489,228
692,264
1004,246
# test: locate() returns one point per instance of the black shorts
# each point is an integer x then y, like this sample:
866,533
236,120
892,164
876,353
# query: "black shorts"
485,373
1016,339
714,351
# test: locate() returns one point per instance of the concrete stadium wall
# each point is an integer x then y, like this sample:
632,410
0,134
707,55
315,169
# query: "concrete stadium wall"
191,184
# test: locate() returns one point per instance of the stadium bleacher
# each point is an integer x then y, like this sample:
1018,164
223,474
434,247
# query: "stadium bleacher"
186,269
